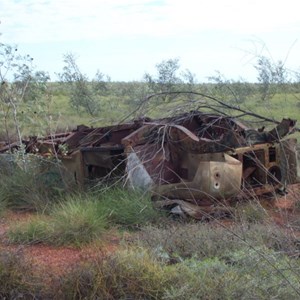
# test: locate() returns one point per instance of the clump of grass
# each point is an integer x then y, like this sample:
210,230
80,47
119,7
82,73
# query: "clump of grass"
182,261
78,220
34,231
81,218
205,279
251,212
75,221
126,274
31,187
129,208
16,278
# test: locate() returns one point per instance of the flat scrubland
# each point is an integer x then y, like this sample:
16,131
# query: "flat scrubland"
123,103
105,242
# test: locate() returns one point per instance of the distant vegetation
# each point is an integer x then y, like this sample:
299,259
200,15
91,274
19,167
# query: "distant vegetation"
33,105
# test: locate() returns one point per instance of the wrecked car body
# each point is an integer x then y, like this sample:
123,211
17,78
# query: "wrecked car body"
191,163
200,160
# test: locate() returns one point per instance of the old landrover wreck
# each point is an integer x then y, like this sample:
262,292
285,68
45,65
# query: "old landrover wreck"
191,163
198,162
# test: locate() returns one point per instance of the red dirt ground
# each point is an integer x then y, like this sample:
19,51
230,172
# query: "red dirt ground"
286,209
49,259
55,260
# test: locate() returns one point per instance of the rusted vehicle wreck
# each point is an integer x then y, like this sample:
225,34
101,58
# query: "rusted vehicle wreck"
196,163
191,163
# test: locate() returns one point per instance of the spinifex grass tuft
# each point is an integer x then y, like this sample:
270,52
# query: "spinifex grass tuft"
81,218
127,208
17,280
74,221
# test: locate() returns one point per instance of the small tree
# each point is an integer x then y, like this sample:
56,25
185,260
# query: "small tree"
271,76
21,92
84,94
167,78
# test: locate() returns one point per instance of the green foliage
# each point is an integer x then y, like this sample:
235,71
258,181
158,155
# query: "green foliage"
271,76
31,184
41,106
266,273
127,274
35,231
181,241
188,240
82,218
84,94
136,273
255,274
206,279
167,79
233,91
23,93
128,208
75,221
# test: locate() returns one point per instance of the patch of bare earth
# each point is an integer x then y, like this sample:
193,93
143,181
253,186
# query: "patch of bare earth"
49,261
285,209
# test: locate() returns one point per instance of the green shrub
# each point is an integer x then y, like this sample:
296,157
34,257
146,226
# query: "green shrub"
136,273
256,273
206,279
181,241
266,274
30,188
126,274
247,272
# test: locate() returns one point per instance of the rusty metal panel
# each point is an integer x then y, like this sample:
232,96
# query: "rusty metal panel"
217,178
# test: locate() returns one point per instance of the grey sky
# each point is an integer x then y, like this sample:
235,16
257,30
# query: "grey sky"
126,38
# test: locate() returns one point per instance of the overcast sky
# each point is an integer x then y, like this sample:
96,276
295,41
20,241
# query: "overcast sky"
126,38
